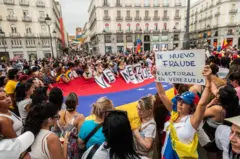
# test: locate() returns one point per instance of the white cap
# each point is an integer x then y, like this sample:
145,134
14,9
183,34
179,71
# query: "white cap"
234,120
13,148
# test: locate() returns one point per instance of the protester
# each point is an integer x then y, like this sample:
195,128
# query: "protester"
223,70
146,134
98,109
119,139
235,82
60,75
46,144
56,97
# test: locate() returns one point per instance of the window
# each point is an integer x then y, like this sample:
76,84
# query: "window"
155,26
156,2
137,26
128,13
10,12
41,14
146,3
147,26
13,29
156,13
177,13
138,2
105,2
128,27
165,26
119,26
107,27
137,13
165,13
46,42
118,2
28,30
233,6
146,13
165,2
25,13
118,13
105,13
232,19
30,42
44,29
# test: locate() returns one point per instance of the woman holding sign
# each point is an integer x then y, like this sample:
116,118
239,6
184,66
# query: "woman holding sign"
181,139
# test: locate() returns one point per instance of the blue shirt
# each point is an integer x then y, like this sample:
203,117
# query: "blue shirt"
86,129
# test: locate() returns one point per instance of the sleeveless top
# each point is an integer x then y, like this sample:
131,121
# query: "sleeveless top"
17,122
39,147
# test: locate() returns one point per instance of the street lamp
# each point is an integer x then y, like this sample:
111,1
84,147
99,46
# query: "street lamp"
2,34
54,33
186,36
48,22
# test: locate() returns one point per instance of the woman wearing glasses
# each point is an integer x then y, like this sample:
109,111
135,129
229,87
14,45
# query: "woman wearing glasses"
47,145
119,139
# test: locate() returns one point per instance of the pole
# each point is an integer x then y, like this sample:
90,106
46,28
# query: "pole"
4,44
186,36
51,40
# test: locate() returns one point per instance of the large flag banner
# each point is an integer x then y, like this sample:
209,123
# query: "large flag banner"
184,66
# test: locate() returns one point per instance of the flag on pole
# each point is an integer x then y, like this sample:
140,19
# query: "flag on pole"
138,48
225,44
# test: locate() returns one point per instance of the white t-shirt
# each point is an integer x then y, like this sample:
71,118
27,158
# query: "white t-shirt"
222,139
223,72
149,62
150,130
102,153
21,107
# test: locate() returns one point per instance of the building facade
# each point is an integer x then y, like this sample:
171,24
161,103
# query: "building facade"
26,33
212,21
115,25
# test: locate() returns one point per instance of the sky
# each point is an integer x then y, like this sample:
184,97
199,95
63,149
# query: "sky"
75,13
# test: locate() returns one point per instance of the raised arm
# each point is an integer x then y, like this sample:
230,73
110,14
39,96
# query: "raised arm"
198,115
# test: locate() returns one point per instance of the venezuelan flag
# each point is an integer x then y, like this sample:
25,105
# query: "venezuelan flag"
225,44
124,96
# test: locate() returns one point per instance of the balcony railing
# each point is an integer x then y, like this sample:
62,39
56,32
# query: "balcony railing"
156,31
156,5
12,18
231,24
128,18
119,31
165,5
218,2
15,35
120,40
29,35
9,2
156,18
105,4
146,5
119,18
138,18
233,11
128,5
40,4
147,18
177,17
128,31
178,4
106,18
24,3
26,19
217,14
137,5
176,30
215,26
165,31
42,19
165,18
138,31
118,5
147,31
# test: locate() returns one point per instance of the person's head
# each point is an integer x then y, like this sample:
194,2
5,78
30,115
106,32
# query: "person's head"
39,96
56,97
12,74
185,103
102,105
235,79
145,107
71,102
235,134
214,69
224,62
43,114
23,79
118,134
46,70
5,101
24,90
227,97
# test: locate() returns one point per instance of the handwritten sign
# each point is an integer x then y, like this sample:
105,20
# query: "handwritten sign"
183,66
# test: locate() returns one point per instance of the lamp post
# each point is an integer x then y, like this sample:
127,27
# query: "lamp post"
48,22
2,34
104,31
174,29
186,36
54,33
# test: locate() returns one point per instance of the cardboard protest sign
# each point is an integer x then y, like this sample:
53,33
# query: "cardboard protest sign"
183,66
109,75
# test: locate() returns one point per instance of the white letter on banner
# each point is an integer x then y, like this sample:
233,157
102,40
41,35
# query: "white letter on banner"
125,75
131,74
149,73
109,75
138,70
144,74
101,82
183,66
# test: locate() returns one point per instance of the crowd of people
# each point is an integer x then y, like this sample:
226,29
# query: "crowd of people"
44,125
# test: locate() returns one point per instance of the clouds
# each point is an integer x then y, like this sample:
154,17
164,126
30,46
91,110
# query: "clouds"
74,13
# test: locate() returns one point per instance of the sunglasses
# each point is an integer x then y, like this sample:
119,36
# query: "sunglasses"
56,116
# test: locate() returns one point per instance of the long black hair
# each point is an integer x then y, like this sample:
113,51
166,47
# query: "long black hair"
39,96
119,137
21,91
